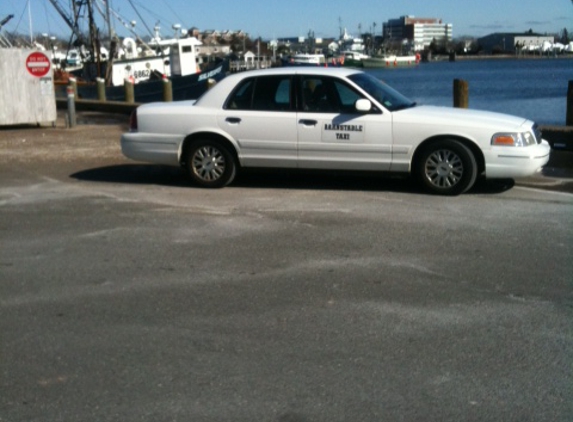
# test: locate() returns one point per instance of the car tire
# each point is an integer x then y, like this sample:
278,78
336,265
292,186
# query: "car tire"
210,164
446,167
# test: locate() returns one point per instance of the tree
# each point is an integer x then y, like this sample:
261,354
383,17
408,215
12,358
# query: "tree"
564,38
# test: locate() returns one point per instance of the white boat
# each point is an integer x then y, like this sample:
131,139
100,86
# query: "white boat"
352,58
349,43
136,61
391,61
307,59
177,57
145,64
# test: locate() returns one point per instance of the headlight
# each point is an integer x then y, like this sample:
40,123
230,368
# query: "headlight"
517,139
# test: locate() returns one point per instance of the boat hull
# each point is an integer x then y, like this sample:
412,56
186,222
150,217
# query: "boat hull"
390,62
187,87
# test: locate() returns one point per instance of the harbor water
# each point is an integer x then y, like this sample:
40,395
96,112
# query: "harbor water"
532,88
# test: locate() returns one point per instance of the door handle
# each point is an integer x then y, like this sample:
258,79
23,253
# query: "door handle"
233,120
308,122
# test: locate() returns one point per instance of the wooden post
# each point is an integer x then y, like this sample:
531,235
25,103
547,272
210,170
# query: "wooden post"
461,93
129,92
569,117
100,82
167,90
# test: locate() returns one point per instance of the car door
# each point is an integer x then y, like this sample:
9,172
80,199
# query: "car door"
260,115
333,135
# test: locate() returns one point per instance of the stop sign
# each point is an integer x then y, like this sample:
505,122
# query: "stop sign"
38,64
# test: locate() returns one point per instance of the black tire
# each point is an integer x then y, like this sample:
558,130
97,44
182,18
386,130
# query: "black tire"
210,164
446,167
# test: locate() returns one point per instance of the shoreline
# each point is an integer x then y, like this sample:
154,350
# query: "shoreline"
500,57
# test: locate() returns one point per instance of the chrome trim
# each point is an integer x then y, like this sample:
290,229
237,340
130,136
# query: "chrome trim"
537,133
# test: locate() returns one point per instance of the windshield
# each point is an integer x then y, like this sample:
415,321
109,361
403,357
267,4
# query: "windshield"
383,93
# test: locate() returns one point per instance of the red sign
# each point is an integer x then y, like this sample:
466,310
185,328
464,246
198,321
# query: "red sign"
38,64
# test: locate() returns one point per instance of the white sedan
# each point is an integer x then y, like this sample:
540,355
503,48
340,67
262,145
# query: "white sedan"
327,118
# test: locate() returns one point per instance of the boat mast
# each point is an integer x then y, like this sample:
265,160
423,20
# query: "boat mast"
108,19
72,23
3,40
5,20
30,20
94,38
112,43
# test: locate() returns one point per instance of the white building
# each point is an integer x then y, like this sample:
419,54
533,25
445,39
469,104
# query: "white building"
509,42
420,32
426,33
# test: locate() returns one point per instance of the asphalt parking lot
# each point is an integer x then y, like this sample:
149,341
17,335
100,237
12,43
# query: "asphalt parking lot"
128,294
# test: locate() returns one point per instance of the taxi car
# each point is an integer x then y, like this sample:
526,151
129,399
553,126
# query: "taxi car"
330,118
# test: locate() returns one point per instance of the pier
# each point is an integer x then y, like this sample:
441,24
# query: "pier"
243,65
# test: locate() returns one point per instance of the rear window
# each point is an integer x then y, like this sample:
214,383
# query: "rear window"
265,93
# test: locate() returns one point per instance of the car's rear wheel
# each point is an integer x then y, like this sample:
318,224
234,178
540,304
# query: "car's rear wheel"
446,167
210,164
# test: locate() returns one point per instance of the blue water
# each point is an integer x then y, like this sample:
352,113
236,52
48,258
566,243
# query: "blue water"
532,88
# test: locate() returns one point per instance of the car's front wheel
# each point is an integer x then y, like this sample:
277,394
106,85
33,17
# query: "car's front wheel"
210,164
446,167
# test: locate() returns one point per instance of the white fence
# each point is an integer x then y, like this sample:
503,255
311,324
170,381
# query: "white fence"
26,87
241,65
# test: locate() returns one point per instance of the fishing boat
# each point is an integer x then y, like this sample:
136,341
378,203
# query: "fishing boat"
352,58
351,50
148,74
391,61
145,65
188,87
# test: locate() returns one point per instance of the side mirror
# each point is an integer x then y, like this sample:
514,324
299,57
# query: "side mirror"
363,105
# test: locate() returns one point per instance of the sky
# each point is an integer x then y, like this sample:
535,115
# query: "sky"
273,19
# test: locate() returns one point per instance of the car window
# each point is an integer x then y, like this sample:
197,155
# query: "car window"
384,94
242,96
328,95
266,93
348,97
282,95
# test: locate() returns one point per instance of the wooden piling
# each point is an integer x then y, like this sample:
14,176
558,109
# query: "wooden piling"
100,83
129,91
167,90
569,115
461,93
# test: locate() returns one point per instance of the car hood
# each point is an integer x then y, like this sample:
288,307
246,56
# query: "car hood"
446,116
